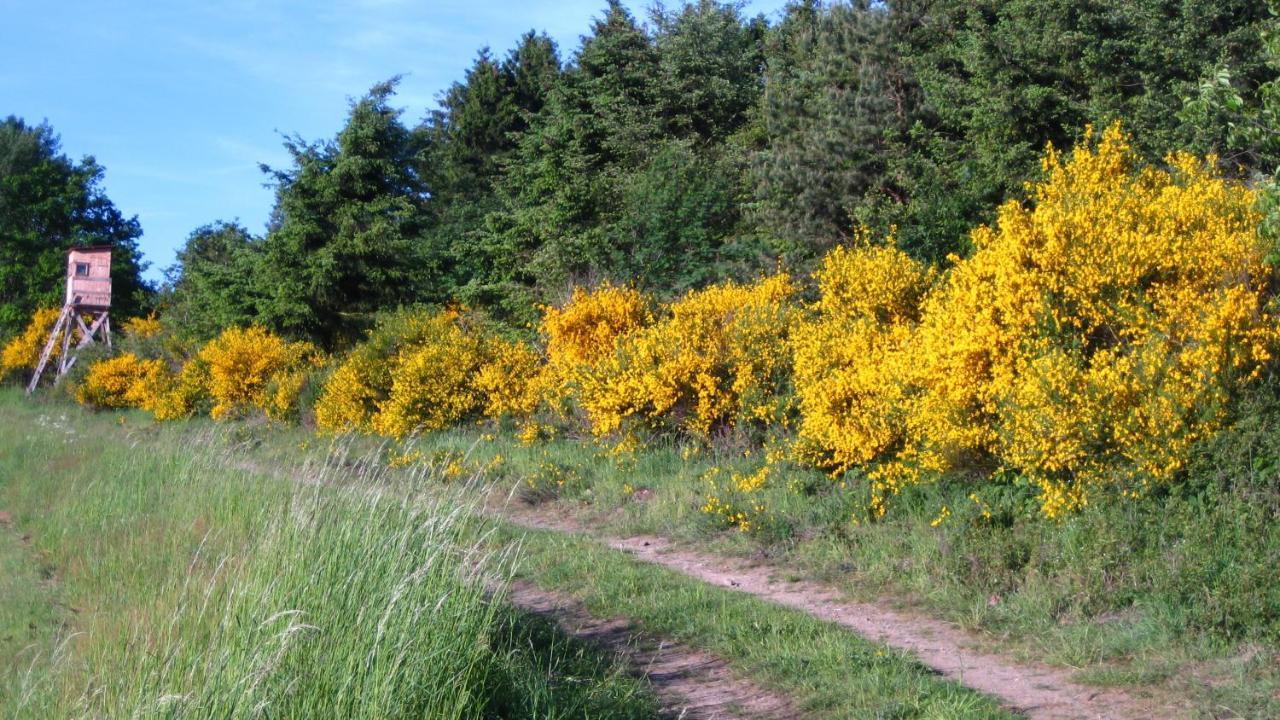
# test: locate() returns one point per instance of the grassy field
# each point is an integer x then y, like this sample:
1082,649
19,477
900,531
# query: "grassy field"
205,570
163,575
1172,595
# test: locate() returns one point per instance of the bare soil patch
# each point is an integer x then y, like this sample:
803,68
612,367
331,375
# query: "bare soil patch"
689,683
1039,691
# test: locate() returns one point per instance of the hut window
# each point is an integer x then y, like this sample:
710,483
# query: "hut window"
82,269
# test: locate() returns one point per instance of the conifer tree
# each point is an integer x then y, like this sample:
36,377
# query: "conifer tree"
347,221
215,283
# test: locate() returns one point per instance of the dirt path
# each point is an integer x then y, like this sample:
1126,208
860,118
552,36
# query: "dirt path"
690,684
1038,691
1035,690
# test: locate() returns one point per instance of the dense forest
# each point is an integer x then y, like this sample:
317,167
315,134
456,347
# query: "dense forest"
671,152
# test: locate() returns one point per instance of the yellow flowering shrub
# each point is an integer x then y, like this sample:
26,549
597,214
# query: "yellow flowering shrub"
353,394
871,281
422,371
717,356
432,382
242,365
284,393
122,381
349,397
142,327
184,394
22,352
853,354
1096,333
510,379
587,329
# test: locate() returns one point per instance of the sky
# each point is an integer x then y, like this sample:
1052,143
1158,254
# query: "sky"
181,101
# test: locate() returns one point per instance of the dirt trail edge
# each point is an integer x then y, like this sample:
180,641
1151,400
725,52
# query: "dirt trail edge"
690,684
1038,691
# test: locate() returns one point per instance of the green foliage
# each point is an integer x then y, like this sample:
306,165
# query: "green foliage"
709,61
1002,78
676,212
49,203
630,159
837,105
597,122
347,222
215,284
467,143
704,145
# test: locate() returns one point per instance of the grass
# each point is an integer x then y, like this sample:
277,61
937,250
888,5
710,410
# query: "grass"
1173,594
30,617
243,552
167,575
825,669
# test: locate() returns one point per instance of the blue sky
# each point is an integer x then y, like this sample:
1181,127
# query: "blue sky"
180,101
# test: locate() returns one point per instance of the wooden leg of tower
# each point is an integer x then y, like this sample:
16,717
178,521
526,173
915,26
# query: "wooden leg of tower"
87,334
48,349
65,357
106,330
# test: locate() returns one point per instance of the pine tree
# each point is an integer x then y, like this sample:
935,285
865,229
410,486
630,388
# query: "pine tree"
348,217
838,105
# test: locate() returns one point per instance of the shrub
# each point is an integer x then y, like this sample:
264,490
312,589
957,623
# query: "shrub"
586,330
362,382
511,379
123,381
421,371
1101,332
142,328
185,394
1094,336
22,352
853,354
432,383
716,358
242,365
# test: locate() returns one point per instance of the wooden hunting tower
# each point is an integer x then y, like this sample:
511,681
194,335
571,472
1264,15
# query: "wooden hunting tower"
88,298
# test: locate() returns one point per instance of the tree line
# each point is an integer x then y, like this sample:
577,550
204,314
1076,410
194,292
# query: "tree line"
689,146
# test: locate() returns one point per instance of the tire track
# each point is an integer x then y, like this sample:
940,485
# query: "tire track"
689,683
1036,690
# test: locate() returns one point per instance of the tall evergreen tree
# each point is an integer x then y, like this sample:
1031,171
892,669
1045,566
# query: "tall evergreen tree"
348,217
639,126
675,214
838,105
560,189
49,203
1004,77
710,60
467,141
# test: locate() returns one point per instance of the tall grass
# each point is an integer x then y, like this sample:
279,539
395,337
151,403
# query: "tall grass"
198,585
356,607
